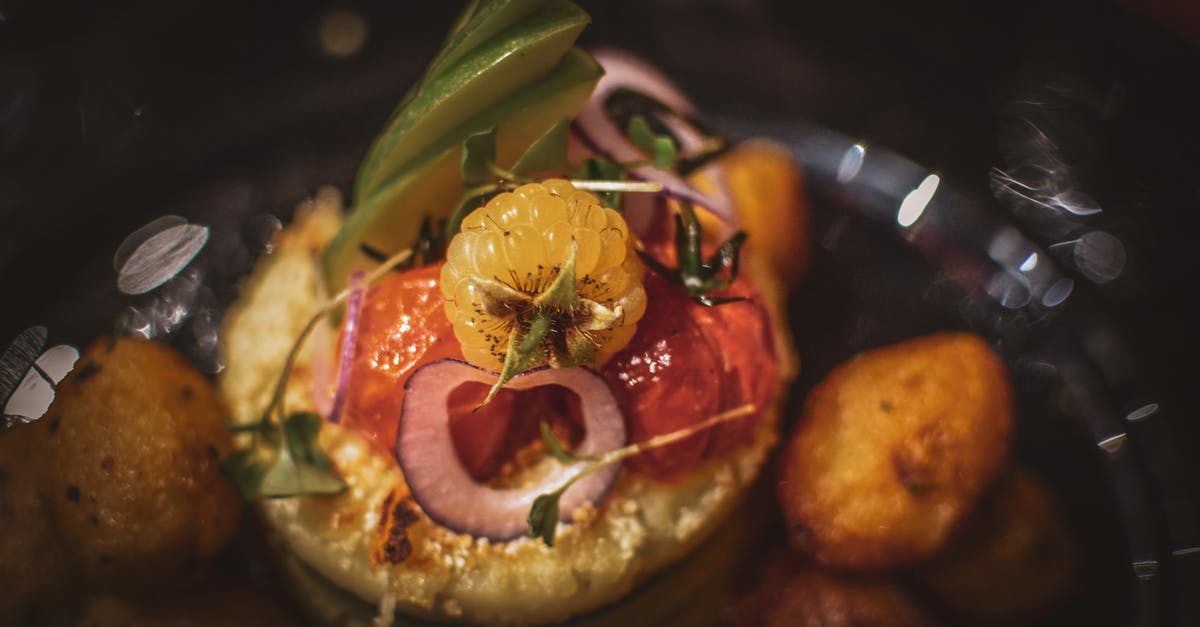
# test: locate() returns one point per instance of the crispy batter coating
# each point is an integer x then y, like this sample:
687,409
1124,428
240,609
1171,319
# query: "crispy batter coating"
894,449
795,594
128,463
36,574
1012,560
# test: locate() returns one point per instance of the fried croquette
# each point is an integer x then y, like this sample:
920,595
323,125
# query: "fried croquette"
1012,560
894,449
128,458
37,574
795,594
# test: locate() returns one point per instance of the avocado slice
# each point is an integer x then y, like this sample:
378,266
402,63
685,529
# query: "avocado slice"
479,23
390,219
481,79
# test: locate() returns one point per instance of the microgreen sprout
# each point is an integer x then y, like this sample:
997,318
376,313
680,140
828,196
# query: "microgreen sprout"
544,513
696,275
283,458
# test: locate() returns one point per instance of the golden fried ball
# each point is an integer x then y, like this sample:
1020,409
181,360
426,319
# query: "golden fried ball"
1011,561
36,573
128,461
795,594
894,449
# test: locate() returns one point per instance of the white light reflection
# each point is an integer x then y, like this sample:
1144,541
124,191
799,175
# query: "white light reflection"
851,163
1113,445
1030,262
33,396
1142,413
917,200
1058,292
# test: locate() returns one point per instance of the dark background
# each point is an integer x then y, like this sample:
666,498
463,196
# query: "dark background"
218,110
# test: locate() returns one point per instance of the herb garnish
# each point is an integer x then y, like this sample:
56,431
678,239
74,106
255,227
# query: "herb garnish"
283,458
483,177
544,512
697,276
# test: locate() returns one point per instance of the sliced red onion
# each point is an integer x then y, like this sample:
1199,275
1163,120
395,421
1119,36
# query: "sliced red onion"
440,483
357,285
321,365
601,134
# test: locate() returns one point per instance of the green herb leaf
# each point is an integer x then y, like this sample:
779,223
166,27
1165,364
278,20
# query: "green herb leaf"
556,449
300,431
302,467
543,517
546,153
661,148
699,277
544,511
478,157
245,469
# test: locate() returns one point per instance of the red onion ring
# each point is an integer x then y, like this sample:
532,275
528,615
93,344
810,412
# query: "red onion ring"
357,287
441,485
598,132
322,340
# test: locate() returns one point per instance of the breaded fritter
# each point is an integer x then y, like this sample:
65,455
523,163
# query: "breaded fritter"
894,449
128,458
1011,561
795,594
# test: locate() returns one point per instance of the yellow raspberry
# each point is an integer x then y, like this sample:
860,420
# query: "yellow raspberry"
509,253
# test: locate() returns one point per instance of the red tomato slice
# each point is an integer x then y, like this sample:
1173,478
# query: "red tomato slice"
665,380
402,326
741,334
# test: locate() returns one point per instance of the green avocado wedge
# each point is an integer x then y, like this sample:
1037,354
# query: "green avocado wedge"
480,79
480,22
390,218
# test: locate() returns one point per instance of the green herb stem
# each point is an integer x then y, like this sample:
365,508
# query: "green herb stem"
277,398
543,514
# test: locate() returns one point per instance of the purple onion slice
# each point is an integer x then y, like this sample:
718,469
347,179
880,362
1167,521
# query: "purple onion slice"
444,489
357,287
600,133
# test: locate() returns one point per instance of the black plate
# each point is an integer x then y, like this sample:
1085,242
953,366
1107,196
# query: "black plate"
1031,114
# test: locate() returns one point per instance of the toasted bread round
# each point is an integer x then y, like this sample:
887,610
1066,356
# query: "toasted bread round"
894,448
365,541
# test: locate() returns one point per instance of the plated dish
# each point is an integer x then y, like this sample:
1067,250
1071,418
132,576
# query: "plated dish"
360,516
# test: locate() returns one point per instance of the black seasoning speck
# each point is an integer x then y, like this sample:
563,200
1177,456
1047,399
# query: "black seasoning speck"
212,451
106,464
86,371
186,393
94,520
886,407
104,558
110,344
54,422
72,494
